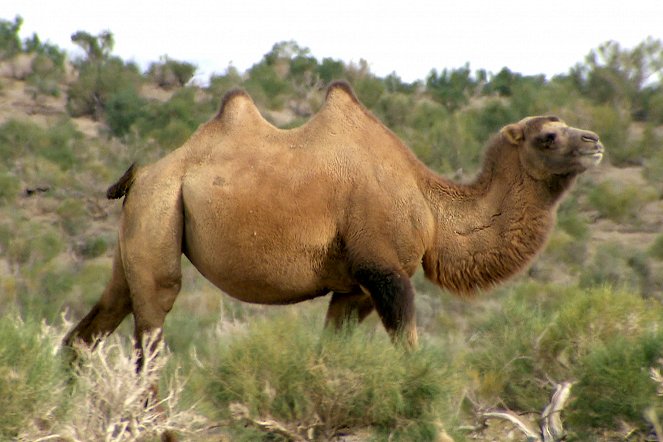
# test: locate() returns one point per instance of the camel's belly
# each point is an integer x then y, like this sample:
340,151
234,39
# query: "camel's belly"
263,247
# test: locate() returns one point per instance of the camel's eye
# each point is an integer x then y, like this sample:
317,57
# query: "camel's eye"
547,140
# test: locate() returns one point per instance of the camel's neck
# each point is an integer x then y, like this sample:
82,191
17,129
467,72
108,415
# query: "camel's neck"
492,228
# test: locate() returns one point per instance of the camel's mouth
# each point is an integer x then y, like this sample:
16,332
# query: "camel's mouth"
591,157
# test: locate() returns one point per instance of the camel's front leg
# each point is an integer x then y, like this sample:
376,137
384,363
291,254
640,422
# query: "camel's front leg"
393,298
347,307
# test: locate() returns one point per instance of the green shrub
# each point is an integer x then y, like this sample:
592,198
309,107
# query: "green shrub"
600,337
46,75
612,126
73,216
620,204
173,122
122,110
280,368
93,247
614,384
10,42
98,81
30,374
9,187
61,143
169,73
611,265
656,249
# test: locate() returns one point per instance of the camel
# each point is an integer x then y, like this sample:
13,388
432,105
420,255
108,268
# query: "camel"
337,206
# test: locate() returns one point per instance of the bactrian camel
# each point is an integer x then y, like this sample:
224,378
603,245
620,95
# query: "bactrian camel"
339,205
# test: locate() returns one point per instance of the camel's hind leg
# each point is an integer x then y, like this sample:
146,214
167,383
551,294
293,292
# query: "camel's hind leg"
151,239
347,307
113,306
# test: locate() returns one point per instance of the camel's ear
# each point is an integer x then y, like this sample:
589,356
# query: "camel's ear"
513,133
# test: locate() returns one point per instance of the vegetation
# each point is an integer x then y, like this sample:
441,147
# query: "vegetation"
588,312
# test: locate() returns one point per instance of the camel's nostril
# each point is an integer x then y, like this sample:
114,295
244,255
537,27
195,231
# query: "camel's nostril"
590,138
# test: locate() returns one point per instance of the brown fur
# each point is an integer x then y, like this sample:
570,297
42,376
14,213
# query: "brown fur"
338,205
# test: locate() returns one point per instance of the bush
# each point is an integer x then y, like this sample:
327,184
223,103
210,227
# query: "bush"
606,339
98,81
656,249
73,216
170,124
168,73
46,74
619,203
280,369
61,143
30,374
123,109
10,43
9,187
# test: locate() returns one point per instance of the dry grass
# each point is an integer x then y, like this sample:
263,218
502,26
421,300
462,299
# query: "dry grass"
108,401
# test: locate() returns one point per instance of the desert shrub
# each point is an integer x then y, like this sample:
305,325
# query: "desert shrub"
47,73
619,203
171,123
220,84
614,383
73,216
600,337
98,80
369,89
9,187
266,86
30,374
653,165
123,109
614,265
10,42
280,369
61,143
100,398
32,242
571,220
92,247
656,249
169,73
329,70
612,126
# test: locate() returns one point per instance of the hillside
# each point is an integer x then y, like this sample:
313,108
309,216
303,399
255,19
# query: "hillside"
68,129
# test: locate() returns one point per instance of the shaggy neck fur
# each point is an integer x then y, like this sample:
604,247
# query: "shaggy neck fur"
492,228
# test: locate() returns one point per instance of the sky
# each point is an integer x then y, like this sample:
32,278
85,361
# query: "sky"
408,37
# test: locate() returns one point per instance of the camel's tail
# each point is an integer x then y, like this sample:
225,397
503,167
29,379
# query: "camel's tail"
121,187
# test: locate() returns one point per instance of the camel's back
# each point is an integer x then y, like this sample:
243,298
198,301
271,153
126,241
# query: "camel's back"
339,147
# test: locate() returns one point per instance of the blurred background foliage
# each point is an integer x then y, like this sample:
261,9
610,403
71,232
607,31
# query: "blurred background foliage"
589,310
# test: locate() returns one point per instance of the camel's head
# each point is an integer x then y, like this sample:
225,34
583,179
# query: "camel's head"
549,147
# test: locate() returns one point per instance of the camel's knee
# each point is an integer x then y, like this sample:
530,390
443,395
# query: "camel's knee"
393,298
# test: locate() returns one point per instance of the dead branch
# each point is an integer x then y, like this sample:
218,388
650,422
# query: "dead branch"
551,428
551,421
239,412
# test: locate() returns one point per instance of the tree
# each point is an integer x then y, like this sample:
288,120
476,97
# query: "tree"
452,88
10,43
100,75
